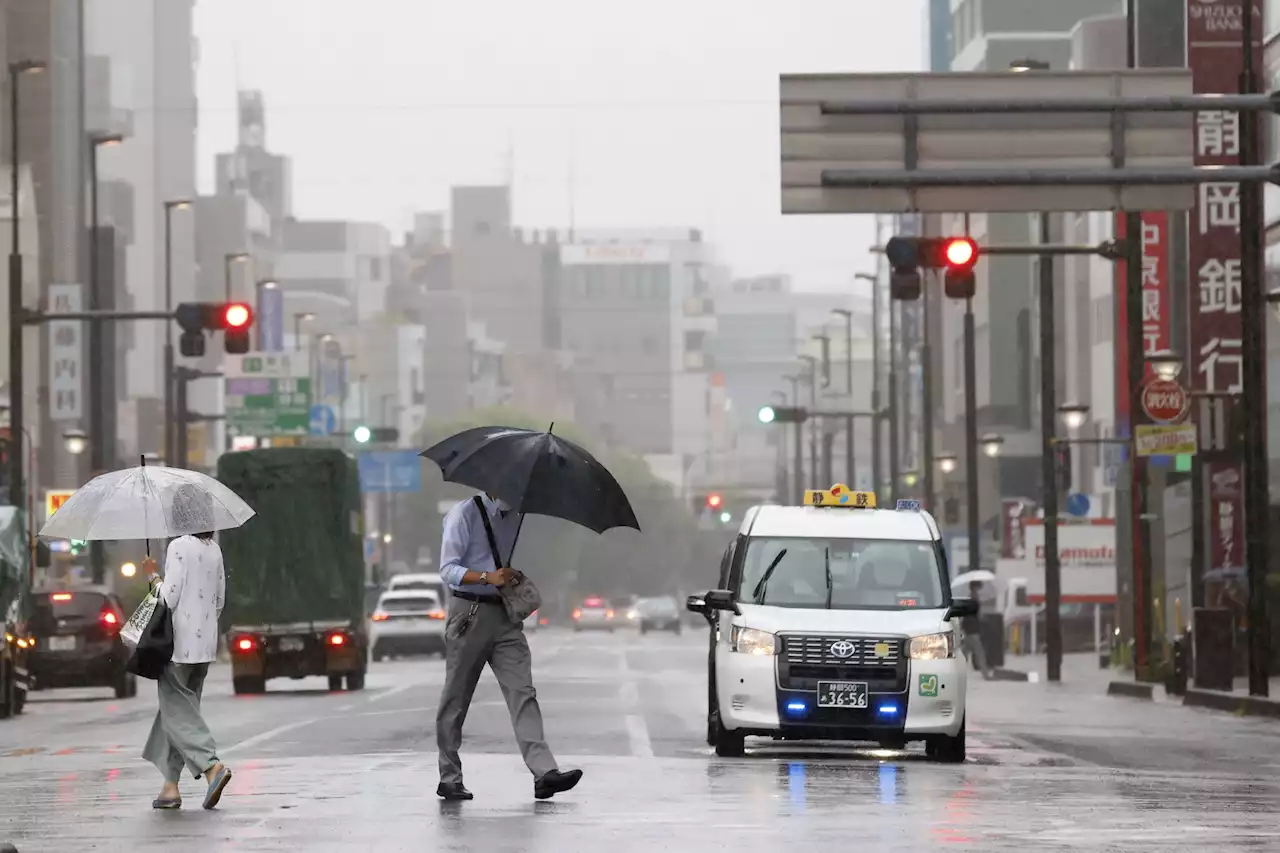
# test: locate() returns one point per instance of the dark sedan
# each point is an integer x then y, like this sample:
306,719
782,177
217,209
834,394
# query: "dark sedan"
76,635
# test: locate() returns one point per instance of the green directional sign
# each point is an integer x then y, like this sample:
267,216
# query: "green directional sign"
268,394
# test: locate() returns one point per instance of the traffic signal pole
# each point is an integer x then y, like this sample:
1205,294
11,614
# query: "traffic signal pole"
1048,461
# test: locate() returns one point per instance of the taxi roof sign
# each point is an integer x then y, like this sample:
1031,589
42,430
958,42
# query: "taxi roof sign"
908,505
840,495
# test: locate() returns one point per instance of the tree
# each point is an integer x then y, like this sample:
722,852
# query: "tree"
566,560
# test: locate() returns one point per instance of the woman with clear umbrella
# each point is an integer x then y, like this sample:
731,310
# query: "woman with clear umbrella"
154,502
194,590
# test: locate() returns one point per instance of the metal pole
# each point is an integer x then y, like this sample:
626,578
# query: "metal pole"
97,360
1022,106
877,426
1257,504
894,459
850,458
926,401
168,336
182,438
1048,466
17,390
798,466
971,436
1128,177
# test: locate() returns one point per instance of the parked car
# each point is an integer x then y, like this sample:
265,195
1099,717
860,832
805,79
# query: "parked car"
407,622
658,614
76,634
594,614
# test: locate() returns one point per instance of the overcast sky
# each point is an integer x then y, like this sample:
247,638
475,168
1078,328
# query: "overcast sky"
663,115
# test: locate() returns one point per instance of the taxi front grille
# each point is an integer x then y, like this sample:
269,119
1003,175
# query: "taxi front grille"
835,650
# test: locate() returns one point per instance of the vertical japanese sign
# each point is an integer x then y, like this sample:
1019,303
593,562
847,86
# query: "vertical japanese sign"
66,355
1214,55
1157,321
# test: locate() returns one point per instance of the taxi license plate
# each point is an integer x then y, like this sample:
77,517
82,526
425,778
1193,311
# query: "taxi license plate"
62,644
290,644
842,694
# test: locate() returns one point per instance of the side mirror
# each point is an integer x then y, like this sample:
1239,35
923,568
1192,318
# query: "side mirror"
696,604
721,599
961,607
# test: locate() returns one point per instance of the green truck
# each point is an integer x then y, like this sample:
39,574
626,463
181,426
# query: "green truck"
295,571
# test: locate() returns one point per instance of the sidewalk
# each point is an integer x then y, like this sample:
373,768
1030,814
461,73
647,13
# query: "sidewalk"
1081,671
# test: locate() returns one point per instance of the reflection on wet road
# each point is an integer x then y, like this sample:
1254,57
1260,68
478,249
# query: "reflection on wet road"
1049,769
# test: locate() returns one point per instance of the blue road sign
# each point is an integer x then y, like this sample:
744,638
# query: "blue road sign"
1077,504
322,421
390,471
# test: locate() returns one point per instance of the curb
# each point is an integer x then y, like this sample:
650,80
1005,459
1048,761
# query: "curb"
1132,689
1252,706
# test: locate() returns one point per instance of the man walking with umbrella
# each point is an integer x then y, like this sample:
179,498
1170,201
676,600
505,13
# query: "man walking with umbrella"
479,632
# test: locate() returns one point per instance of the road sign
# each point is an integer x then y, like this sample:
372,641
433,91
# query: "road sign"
390,471
1077,504
268,393
826,141
1166,439
1164,400
55,498
323,420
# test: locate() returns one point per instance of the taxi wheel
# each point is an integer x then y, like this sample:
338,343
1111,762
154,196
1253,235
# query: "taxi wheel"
729,744
948,750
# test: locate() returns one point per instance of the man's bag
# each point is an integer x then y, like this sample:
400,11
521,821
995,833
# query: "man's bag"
153,648
520,598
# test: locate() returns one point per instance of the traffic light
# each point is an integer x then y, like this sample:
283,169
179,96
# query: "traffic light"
782,415
196,318
908,255
379,435
362,434
77,547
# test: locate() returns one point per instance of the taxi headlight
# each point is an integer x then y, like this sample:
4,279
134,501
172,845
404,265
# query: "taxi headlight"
933,647
752,641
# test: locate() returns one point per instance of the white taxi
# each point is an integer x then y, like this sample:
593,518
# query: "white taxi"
835,621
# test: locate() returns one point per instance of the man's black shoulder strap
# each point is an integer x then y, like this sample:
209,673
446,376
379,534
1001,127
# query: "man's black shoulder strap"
488,531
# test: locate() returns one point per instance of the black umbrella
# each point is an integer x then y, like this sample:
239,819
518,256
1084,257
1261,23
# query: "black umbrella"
535,472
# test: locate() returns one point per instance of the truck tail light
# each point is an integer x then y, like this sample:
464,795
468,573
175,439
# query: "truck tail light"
245,644
337,640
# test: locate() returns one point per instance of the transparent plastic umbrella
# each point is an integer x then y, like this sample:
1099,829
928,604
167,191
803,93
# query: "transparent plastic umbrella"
147,502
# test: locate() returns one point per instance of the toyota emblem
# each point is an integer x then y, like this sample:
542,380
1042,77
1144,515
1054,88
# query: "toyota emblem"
842,649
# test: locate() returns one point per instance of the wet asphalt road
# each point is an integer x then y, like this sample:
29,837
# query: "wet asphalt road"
1057,767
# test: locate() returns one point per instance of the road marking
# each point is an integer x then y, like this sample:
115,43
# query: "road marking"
638,734
266,736
393,691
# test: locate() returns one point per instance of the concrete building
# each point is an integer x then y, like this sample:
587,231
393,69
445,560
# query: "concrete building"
390,390
141,84
336,271
637,314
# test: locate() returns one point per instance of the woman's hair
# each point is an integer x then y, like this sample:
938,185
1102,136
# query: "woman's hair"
206,536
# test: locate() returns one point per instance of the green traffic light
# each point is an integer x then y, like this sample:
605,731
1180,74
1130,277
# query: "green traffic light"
766,414
362,434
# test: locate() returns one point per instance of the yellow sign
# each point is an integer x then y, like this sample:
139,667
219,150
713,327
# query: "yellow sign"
1166,440
840,495
882,650
54,499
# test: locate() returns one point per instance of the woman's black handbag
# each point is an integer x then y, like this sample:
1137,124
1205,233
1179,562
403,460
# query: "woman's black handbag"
154,650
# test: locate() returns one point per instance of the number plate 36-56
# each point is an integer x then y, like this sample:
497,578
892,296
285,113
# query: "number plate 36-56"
842,694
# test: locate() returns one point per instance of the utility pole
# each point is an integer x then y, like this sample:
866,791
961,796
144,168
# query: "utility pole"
926,398
895,474
877,482
971,437
798,464
1048,460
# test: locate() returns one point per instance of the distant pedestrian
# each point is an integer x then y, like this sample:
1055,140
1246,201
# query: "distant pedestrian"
479,632
971,630
194,589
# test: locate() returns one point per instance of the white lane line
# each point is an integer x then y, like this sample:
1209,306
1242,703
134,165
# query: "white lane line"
344,708
392,692
266,736
638,734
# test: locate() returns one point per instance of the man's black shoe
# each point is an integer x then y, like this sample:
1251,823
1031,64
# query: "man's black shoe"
453,791
556,782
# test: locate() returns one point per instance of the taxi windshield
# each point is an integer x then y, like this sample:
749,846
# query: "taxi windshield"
842,574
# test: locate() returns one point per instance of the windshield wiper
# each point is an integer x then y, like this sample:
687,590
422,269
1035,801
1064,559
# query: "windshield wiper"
758,593
826,567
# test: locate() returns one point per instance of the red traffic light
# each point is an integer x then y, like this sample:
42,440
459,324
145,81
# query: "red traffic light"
961,252
714,501
237,316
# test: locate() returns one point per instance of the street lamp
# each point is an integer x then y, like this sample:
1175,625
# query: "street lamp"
169,414
17,489
229,259
992,444
1165,364
909,479
75,441
1073,415
946,463
386,538
128,569
1024,65
299,318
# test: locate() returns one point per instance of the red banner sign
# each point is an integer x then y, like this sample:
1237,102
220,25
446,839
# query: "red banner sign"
1226,516
1157,317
